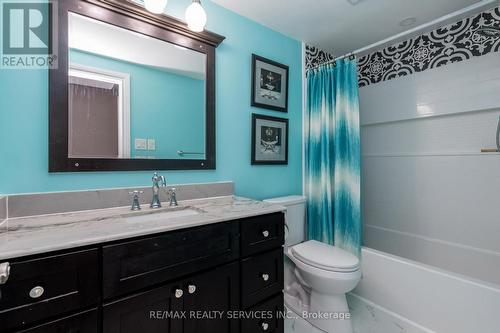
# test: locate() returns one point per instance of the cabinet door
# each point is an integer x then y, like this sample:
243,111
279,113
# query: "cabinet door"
261,277
209,298
154,311
85,322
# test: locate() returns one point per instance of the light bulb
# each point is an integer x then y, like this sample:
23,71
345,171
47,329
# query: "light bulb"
196,17
155,6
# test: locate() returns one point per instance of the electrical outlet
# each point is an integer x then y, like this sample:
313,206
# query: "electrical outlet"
141,144
151,144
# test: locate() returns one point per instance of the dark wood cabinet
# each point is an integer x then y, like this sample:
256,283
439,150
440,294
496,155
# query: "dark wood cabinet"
194,280
134,265
262,233
261,277
150,311
193,305
44,288
85,322
212,296
271,322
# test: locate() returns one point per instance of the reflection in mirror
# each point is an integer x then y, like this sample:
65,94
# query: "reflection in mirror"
133,96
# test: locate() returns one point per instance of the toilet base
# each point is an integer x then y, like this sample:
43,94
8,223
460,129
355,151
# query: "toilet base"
330,313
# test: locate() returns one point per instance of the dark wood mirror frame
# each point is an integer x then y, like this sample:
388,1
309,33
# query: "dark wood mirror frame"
133,17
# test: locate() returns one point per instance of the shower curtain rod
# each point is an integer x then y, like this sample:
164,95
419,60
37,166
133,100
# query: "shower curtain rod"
481,5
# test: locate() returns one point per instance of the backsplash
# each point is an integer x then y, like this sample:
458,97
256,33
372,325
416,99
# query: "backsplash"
23,205
3,209
449,44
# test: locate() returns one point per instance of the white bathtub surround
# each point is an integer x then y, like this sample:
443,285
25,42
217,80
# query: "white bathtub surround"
430,195
46,233
420,298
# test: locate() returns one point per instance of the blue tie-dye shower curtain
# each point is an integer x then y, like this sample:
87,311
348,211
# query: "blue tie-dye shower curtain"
332,161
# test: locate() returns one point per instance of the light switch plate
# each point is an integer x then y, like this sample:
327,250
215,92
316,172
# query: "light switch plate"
141,144
151,144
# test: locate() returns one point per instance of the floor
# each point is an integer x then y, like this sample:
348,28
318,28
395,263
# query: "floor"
366,318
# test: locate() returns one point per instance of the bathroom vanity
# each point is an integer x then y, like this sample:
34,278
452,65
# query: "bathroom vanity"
114,270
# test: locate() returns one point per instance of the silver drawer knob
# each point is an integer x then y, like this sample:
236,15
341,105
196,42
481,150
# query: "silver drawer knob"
178,293
265,277
265,233
4,272
36,292
191,289
265,326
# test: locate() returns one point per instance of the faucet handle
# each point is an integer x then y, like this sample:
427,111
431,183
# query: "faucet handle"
136,205
173,198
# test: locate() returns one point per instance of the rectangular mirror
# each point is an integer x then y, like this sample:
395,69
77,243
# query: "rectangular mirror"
132,92
133,96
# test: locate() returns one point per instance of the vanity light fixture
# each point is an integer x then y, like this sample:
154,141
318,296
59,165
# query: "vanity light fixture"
196,17
155,6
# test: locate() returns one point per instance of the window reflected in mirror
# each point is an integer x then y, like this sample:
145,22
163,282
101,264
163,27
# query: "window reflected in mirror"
133,96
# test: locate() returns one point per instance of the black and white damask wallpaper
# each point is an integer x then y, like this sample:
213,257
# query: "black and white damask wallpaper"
316,57
450,44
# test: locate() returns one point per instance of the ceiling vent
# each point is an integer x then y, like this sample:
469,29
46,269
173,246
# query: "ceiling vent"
354,2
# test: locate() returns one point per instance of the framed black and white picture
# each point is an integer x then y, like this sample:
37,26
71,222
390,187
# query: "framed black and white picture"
269,84
269,140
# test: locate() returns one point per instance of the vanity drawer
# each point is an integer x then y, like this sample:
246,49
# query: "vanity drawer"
131,266
85,322
262,233
271,320
65,283
262,277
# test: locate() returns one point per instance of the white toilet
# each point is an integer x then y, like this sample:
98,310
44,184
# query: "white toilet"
318,275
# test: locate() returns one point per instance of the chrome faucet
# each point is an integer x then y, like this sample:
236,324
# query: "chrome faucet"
157,182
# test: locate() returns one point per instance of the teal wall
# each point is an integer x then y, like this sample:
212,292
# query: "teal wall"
24,120
164,106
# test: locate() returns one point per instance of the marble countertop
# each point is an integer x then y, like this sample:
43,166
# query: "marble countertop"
45,233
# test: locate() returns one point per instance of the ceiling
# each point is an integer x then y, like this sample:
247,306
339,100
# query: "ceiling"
342,26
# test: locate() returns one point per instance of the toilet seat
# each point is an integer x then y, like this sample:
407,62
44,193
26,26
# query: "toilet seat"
325,257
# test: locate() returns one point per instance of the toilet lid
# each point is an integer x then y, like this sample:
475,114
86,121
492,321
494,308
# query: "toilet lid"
324,256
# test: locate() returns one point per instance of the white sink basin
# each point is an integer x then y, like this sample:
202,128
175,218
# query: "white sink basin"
162,215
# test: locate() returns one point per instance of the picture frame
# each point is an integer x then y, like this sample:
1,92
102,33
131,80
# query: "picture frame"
269,140
269,84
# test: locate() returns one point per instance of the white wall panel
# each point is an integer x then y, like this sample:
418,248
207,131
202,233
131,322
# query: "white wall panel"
459,133
452,198
462,87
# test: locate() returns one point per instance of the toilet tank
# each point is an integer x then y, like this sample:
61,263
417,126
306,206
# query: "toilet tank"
295,217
